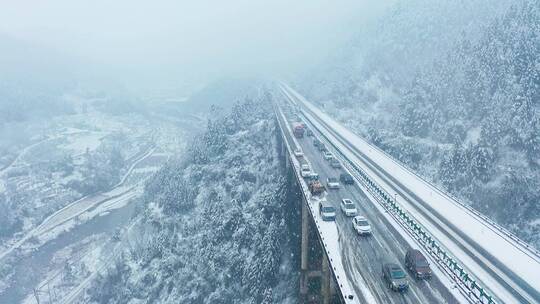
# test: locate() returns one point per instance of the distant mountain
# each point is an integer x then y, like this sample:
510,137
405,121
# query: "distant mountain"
220,94
385,55
32,81
32,64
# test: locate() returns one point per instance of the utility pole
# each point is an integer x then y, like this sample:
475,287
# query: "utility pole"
49,289
36,295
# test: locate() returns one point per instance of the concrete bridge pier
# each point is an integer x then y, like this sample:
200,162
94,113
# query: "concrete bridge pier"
326,281
317,285
304,277
314,266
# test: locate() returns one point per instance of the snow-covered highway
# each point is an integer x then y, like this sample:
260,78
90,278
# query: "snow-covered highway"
502,264
362,257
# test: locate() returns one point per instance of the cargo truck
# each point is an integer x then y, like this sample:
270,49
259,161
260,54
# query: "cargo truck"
298,130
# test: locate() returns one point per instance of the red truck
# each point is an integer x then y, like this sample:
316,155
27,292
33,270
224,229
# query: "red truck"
316,188
298,130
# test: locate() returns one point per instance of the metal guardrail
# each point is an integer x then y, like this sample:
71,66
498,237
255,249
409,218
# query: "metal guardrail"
489,223
458,201
466,282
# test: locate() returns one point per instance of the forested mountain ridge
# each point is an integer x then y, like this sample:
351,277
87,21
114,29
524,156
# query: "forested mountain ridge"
386,54
216,224
467,119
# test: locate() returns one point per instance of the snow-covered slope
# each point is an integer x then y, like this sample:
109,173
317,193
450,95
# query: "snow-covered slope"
215,227
451,89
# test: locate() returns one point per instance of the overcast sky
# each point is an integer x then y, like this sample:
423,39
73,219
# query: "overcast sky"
203,36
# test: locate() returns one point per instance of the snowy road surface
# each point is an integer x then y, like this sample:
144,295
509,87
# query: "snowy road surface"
327,231
363,256
508,268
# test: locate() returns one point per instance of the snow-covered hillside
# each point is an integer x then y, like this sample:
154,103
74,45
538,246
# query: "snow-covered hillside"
71,156
61,175
216,228
452,89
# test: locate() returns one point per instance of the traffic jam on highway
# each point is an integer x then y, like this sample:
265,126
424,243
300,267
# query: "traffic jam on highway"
393,275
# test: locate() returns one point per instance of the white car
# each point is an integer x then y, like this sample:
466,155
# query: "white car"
361,225
348,207
327,211
332,183
314,175
327,155
298,152
305,171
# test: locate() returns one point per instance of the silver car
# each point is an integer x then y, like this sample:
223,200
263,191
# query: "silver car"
361,225
327,155
395,277
332,183
327,211
348,207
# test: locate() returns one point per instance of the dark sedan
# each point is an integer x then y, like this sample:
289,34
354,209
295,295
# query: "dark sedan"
346,179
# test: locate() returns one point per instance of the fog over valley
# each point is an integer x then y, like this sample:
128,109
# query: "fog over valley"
270,151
